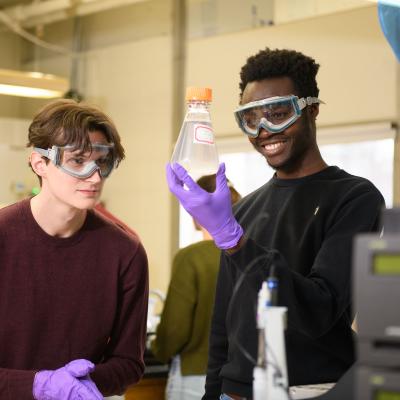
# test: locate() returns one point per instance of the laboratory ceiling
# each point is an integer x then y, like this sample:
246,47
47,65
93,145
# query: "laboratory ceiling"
205,17
11,3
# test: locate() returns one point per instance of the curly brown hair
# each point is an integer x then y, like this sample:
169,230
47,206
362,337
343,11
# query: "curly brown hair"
66,122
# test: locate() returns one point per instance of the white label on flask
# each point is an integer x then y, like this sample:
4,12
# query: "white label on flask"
203,134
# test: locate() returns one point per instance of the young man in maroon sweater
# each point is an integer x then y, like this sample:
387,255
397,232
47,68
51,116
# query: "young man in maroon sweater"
73,285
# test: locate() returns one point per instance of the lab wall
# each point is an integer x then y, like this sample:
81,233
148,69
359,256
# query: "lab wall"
128,71
139,79
10,52
15,175
357,76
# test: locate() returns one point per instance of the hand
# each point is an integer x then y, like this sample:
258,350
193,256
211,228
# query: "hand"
213,211
84,379
71,382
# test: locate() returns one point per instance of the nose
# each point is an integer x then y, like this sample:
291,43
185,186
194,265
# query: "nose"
264,133
95,177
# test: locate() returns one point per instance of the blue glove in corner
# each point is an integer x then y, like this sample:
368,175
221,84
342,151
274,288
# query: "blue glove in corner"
71,382
389,18
213,211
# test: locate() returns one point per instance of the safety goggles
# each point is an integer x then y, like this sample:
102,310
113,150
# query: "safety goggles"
82,165
274,114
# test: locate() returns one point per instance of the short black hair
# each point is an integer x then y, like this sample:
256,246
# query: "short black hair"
276,63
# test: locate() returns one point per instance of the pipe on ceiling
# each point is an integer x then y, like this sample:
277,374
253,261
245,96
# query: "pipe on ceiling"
49,11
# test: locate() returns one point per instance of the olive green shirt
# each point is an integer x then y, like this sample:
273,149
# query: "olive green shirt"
186,318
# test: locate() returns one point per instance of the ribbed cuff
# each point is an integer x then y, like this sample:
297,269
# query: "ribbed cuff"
21,385
245,390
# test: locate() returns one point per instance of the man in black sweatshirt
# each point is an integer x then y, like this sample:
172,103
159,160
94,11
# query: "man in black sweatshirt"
301,222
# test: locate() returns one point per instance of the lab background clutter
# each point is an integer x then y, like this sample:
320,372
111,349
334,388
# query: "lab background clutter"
135,58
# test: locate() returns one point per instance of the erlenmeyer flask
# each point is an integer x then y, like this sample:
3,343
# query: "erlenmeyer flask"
195,148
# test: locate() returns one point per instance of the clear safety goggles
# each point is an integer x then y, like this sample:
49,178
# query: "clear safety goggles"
274,114
81,165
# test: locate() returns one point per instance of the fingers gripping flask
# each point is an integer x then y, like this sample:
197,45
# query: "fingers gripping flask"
195,148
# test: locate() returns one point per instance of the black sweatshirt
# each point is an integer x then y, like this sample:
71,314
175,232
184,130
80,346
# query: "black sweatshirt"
305,228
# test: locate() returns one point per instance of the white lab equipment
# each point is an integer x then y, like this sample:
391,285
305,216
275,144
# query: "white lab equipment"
153,317
270,373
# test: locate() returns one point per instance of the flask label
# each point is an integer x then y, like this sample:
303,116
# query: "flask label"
203,134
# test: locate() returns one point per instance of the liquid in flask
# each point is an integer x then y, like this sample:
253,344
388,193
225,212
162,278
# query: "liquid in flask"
195,148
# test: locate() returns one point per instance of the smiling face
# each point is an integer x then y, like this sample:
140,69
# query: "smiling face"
79,193
294,152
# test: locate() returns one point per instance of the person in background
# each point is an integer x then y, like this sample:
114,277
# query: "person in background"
301,223
73,285
183,331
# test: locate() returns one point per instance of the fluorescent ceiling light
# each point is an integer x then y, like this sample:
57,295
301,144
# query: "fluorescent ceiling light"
32,84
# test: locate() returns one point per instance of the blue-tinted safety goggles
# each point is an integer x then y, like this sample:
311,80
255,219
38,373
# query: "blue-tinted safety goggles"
274,114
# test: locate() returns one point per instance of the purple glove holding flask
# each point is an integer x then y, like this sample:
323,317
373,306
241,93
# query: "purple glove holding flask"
213,211
71,382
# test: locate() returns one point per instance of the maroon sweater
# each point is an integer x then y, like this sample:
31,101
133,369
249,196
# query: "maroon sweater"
67,298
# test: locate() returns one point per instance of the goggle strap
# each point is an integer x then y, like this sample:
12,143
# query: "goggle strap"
49,153
307,101
312,100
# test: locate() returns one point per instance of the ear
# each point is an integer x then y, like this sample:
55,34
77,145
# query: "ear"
38,164
313,110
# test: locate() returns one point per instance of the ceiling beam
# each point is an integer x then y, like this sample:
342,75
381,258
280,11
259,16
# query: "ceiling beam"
49,11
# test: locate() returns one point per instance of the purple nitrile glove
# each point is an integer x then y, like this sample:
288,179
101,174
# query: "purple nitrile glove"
85,379
213,211
71,382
